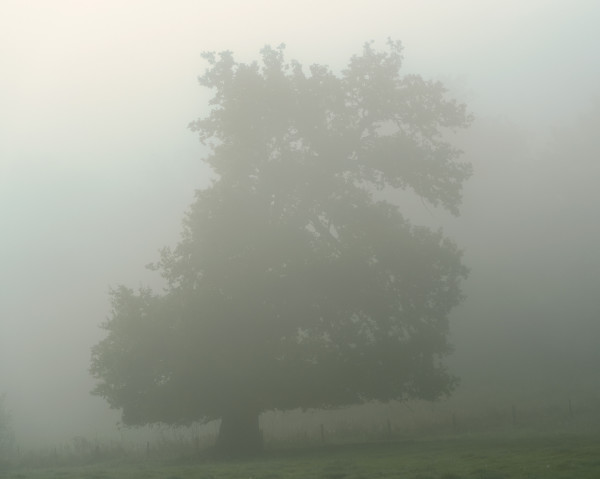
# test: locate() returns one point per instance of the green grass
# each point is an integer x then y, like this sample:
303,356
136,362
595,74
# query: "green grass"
556,457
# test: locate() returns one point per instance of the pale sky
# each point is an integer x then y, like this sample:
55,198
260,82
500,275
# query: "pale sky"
72,68
97,164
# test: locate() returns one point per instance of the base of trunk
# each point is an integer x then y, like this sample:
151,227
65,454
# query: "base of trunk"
239,434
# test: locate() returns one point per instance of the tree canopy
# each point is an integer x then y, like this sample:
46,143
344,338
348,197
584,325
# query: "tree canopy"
295,282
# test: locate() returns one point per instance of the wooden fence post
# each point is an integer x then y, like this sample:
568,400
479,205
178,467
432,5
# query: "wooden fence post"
570,409
454,422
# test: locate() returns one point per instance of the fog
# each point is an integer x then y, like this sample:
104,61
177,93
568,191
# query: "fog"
97,167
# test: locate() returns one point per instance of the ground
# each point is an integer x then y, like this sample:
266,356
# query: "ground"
524,456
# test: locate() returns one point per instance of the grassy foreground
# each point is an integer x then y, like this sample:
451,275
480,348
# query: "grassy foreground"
567,456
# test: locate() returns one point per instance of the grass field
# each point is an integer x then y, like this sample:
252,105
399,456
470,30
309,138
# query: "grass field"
548,457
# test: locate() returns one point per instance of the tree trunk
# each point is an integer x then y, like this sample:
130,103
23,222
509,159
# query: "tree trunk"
239,433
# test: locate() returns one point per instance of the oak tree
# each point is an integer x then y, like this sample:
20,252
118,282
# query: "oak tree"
296,284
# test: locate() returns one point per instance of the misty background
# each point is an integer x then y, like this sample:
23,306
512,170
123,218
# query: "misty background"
97,167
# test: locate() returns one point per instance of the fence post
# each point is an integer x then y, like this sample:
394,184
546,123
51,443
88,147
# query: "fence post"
570,409
454,422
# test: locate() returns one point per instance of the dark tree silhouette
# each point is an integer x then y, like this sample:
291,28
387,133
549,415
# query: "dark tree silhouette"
293,285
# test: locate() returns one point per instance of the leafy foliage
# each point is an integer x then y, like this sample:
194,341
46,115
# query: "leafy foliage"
294,284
